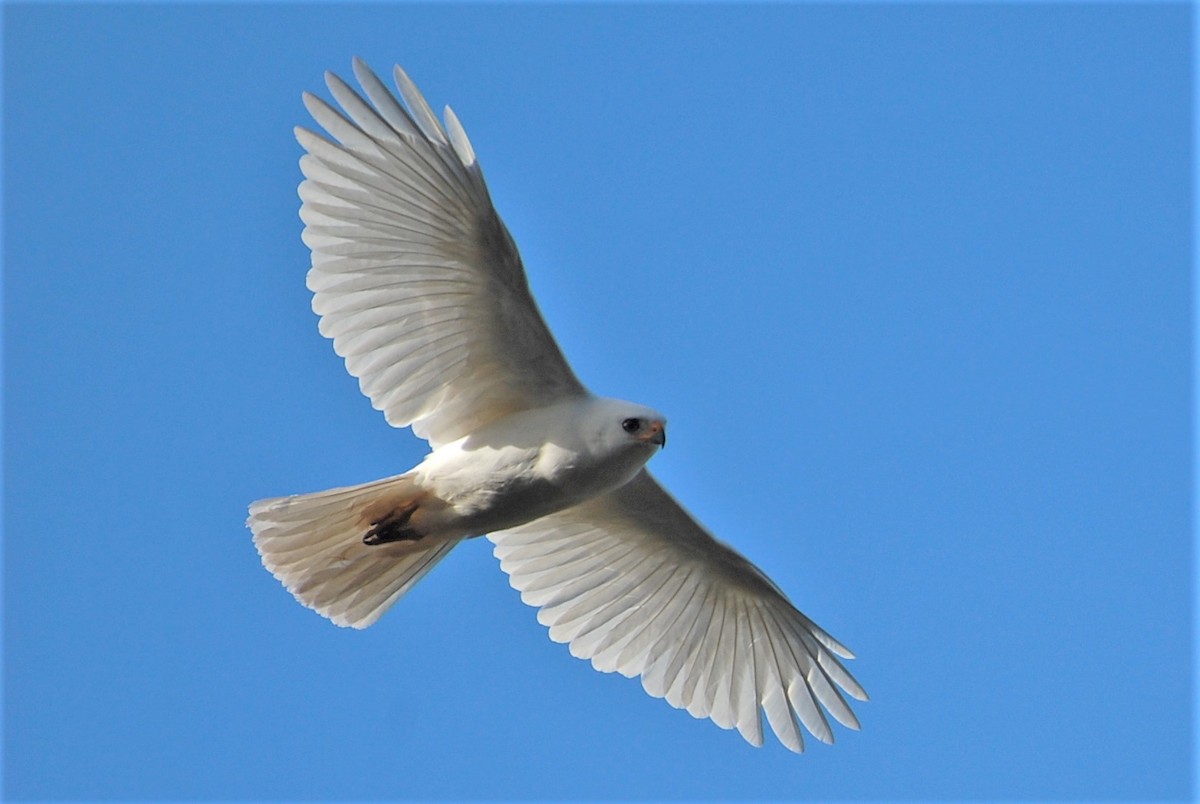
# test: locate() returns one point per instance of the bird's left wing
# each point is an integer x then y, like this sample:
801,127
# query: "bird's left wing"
414,275
631,581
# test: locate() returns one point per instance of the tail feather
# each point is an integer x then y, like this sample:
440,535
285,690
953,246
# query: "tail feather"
313,543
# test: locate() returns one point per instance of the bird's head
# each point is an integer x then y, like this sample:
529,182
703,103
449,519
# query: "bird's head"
648,430
624,427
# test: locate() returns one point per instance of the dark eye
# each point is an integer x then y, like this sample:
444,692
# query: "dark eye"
631,425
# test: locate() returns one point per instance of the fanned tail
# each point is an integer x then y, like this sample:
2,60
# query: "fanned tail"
314,544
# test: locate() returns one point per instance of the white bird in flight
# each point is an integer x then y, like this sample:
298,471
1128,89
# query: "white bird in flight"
421,288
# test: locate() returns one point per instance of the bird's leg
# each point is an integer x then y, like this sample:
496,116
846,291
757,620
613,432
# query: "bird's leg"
392,526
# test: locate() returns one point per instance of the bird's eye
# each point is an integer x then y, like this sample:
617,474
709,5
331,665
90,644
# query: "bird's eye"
631,425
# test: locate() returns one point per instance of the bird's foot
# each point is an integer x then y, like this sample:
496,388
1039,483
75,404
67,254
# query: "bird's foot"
393,527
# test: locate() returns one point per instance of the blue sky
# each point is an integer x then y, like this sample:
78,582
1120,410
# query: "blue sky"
912,283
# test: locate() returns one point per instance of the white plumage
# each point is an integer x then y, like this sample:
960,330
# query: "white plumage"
421,288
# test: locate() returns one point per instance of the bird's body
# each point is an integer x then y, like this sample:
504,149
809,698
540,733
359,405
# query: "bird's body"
420,286
499,477
532,463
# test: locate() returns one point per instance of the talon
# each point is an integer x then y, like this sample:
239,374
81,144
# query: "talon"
392,527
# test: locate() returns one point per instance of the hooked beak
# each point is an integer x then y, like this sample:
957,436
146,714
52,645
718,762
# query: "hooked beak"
656,433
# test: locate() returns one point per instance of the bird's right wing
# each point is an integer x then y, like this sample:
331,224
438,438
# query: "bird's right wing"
415,277
631,581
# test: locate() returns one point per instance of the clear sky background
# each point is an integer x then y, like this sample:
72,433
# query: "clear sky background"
912,283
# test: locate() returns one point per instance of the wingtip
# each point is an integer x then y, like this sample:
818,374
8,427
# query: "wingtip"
360,68
312,103
458,138
335,83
